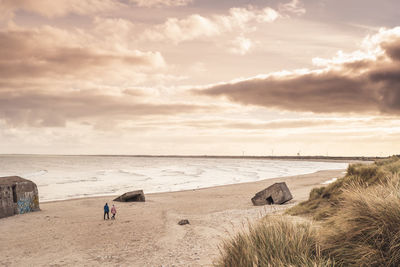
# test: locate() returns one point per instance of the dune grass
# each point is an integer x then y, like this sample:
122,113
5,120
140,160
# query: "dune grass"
366,230
274,241
323,201
357,223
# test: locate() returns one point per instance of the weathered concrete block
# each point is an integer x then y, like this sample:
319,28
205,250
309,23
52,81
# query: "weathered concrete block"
17,196
133,196
277,193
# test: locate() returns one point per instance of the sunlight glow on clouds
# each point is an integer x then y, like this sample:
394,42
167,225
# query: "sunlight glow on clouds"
191,77
197,26
241,45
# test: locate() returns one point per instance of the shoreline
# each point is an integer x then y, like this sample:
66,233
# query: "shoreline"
73,233
191,190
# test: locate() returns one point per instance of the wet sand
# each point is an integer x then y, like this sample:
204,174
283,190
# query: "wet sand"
73,232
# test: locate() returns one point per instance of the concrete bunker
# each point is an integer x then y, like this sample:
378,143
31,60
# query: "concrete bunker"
17,196
133,196
277,193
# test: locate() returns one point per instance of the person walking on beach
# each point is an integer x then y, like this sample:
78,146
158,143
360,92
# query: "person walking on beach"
106,211
113,212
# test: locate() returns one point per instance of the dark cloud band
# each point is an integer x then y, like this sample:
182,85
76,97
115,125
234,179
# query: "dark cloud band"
361,86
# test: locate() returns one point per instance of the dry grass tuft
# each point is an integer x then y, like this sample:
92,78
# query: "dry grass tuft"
273,241
366,230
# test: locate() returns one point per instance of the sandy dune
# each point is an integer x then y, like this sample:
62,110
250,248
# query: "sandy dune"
73,232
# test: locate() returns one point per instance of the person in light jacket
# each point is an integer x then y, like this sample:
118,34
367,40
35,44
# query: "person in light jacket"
113,212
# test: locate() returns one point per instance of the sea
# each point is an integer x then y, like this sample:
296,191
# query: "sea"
68,177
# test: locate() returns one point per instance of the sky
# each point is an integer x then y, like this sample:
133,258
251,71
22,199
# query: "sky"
200,77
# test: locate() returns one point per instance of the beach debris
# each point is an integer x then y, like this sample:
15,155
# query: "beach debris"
277,193
183,222
133,196
17,196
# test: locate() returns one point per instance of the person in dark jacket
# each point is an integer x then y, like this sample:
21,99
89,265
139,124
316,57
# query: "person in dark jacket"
106,211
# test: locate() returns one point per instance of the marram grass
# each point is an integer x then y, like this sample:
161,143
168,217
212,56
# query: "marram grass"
324,201
366,229
357,223
273,241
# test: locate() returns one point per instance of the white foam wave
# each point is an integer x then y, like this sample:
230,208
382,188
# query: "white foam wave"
35,174
330,181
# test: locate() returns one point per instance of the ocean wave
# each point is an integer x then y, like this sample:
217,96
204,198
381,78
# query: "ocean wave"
35,174
131,173
119,171
330,181
92,179
197,173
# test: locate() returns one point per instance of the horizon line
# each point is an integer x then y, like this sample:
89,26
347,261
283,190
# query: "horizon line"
203,156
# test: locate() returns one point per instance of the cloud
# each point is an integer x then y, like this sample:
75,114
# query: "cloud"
259,125
50,77
318,124
294,7
241,45
42,108
49,51
366,81
60,8
51,8
161,3
53,77
392,48
196,26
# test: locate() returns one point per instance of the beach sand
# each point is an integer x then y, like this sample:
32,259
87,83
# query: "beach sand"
73,232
